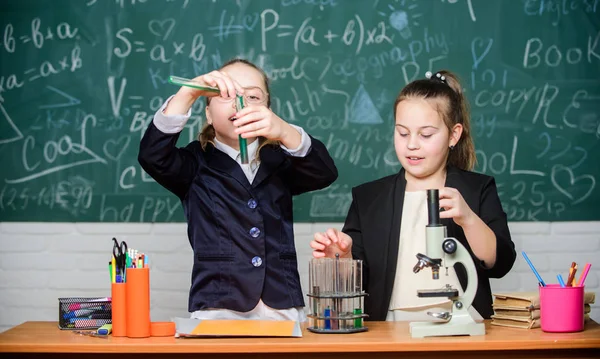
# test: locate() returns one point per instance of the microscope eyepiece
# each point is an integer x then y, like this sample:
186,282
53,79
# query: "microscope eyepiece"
433,207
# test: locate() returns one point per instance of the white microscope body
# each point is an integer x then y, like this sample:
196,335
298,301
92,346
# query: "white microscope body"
443,251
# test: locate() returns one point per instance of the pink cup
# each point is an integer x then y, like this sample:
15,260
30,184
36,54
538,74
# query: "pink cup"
561,309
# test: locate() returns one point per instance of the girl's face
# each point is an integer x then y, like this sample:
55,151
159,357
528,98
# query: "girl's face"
422,139
220,111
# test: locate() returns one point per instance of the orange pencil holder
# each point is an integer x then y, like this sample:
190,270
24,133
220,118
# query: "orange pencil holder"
118,310
138,302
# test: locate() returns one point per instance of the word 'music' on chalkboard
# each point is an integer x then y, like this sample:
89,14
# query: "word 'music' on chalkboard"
81,80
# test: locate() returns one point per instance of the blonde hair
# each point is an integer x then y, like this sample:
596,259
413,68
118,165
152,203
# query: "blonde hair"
452,106
207,134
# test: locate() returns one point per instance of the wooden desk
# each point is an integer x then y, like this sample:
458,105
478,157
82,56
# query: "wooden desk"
383,340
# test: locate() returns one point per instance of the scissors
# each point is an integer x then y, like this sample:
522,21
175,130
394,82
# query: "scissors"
120,254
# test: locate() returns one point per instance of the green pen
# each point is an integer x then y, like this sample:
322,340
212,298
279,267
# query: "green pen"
110,272
239,105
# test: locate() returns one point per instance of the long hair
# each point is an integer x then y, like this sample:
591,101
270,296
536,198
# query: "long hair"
452,105
207,134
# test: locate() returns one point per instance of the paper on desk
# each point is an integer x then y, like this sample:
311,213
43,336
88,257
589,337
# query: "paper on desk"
198,328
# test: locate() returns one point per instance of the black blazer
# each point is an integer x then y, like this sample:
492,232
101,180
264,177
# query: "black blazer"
374,220
241,234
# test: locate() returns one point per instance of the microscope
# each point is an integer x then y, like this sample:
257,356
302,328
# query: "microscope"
444,252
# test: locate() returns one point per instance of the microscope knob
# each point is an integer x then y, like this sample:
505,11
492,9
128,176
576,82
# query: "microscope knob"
449,246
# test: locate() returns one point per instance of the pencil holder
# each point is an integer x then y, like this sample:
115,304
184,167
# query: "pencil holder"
118,310
138,302
83,313
336,296
561,308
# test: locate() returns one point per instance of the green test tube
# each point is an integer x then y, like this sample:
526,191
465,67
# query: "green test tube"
180,81
357,321
239,105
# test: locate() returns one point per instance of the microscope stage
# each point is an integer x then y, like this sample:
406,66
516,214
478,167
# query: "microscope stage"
445,293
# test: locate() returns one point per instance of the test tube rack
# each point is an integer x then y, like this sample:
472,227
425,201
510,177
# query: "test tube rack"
336,297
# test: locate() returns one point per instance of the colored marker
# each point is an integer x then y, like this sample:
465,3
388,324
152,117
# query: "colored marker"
586,270
105,329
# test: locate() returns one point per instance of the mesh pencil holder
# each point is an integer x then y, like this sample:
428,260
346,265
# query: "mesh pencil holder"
84,313
336,296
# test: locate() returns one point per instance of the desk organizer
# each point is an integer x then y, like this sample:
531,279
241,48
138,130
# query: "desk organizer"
84,313
336,296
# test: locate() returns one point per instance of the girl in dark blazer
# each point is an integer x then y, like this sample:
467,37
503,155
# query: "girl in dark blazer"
433,143
240,222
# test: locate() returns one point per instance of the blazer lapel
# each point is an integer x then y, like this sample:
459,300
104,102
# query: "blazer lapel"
221,162
270,159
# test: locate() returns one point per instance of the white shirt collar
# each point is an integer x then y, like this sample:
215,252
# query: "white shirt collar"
235,154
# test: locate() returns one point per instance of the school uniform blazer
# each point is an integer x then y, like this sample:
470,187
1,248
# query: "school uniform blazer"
241,234
374,220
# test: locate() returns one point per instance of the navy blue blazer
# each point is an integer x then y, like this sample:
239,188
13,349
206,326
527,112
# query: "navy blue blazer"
374,221
241,234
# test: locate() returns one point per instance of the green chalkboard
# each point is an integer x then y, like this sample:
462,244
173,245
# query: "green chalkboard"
81,79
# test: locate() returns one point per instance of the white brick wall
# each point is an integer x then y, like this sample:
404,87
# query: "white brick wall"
40,262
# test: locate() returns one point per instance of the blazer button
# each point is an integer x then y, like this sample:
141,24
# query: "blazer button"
252,203
256,261
254,232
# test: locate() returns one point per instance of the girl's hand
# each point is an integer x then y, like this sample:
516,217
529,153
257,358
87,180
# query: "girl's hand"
331,242
186,96
258,120
455,207
228,86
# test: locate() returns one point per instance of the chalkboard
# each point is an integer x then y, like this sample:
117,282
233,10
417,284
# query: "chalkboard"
81,79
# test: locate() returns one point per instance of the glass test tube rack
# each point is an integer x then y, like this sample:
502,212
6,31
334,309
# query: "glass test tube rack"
336,297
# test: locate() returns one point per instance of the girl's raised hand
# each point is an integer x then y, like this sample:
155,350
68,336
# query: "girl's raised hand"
186,96
455,207
228,86
330,243
259,120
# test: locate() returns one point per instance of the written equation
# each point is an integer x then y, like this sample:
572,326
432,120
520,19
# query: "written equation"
81,81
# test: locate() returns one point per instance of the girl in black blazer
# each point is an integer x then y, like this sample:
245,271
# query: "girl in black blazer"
239,215
433,143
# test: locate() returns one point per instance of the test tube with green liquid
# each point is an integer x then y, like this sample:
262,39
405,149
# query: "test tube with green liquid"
239,105
175,80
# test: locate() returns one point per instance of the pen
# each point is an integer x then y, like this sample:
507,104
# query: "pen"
560,280
533,269
584,275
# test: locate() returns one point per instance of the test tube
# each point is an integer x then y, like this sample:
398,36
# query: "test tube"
239,105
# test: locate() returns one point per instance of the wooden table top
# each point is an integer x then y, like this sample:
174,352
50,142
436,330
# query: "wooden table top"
45,337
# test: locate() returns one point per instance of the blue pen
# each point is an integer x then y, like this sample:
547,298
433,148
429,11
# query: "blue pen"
533,269
560,280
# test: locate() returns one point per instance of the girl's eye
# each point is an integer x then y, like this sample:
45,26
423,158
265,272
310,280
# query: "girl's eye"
426,135
403,134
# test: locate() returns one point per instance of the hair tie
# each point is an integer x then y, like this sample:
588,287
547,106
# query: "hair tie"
437,76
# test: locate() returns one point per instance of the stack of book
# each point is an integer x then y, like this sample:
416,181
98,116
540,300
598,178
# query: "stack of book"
522,309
